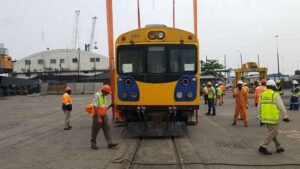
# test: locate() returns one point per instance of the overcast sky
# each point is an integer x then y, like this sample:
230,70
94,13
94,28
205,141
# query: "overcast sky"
225,26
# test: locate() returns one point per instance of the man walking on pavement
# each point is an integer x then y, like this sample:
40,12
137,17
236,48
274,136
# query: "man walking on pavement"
269,107
211,99
100,118
66,100
294,103
241,102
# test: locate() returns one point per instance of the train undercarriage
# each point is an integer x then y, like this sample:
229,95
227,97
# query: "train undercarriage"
158,121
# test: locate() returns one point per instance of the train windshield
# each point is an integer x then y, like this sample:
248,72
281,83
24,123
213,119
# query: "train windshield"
157,59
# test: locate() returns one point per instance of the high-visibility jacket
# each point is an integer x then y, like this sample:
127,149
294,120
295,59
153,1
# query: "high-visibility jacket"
258,91
211,92
101,108
247,88
296,92
223,88
241,96
205,91
219,91
66,102
279,90
268,109
66,99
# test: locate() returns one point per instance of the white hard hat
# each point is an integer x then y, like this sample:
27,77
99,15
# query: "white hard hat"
245,83
295,82
240,82
271,83
217,85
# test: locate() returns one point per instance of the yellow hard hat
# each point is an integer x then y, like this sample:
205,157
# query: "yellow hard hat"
278,81
208,83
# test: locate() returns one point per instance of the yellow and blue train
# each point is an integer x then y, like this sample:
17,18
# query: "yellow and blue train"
157,79
6,63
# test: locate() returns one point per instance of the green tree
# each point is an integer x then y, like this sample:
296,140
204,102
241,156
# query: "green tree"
213,67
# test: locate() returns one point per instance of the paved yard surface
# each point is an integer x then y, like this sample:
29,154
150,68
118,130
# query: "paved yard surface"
32,136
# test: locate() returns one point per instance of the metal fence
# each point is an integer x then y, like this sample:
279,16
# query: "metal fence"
77,88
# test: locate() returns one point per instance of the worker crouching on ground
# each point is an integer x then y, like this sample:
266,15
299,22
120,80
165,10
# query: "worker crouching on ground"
294,103
211,99
67,107
100,118
269,108
241,102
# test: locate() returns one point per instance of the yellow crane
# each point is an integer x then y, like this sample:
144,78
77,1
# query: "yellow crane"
247,68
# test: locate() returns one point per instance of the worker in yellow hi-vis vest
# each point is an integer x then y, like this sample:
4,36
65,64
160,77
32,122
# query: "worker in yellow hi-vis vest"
100,118
270,106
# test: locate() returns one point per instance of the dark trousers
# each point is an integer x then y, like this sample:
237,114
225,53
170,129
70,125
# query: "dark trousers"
205,98
211,105
294,104
96,128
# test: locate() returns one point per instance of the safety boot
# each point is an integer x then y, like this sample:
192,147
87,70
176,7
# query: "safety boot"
67,128
234,123
112,145
280,150
264,151
246,124
94,146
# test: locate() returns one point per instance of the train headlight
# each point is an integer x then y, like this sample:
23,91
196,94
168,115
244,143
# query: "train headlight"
179,95
189,95
134,94
124,95
160,35
128,82
151,35
185,82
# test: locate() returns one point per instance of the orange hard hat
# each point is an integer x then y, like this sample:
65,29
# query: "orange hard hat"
106,88
68,88
263,81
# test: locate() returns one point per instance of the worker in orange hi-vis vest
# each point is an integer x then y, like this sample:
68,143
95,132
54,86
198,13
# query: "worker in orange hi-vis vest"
259,90
241,102
66,100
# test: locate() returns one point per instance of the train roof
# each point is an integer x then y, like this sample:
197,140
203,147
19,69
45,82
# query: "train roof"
172,35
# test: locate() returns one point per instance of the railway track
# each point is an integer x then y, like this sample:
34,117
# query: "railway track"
135,159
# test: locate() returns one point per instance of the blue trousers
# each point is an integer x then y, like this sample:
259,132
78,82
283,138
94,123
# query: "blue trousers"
294,104
211,105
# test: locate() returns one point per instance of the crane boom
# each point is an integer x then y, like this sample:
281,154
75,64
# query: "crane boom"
92,35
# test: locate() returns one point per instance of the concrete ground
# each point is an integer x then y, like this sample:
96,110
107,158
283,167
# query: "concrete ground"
32,136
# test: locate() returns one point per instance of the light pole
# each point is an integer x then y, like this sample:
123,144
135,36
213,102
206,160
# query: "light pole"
278,70
241,57
78,64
